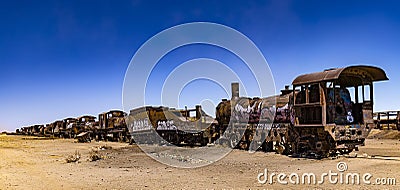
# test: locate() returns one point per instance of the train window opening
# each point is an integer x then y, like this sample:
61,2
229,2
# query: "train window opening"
340,104
352,92
346,104
300,96
329,84
360,94
307,104
314,96
308,94
367,93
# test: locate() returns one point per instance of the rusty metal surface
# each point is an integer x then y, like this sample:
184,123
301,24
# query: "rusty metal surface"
375,74
86,118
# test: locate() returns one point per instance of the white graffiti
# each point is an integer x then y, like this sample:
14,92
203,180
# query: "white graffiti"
141,125
264,126
241,113
166,125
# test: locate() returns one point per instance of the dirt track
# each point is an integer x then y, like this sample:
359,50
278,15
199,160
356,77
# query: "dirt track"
34,163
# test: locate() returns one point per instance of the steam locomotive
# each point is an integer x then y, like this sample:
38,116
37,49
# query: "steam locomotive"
325,113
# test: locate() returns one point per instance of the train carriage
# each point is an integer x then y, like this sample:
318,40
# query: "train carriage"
160,125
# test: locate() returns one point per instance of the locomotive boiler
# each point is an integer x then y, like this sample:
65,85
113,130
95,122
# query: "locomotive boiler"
254,123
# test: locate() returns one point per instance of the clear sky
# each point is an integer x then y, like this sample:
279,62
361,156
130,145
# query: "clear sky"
68,58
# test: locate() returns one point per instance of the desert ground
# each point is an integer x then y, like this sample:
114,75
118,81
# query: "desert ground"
41,163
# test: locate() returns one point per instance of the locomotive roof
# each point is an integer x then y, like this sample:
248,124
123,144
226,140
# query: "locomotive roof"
374,73
113,111
68,118
86,116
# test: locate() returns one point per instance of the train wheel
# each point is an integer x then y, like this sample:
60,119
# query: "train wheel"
204,141
267,146
288,149
177,139
280,149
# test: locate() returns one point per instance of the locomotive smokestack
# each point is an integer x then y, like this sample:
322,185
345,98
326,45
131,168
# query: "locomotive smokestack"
286,90
235,90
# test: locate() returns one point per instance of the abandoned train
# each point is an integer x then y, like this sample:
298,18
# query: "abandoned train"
110,127
324,113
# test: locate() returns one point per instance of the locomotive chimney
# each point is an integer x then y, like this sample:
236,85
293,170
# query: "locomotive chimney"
235,90
286,90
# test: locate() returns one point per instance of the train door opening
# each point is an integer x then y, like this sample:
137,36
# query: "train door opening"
307,105
347,104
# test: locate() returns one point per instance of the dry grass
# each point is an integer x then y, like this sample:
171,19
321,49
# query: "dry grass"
74,157
384,134
94,155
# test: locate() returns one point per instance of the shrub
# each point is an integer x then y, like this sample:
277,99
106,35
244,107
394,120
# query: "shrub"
74,157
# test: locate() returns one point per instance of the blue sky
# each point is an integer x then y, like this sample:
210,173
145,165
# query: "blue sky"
68,58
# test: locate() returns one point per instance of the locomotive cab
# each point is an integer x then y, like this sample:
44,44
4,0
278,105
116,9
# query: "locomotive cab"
112,126
335,106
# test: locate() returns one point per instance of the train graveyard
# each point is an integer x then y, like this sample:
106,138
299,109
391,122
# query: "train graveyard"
30,162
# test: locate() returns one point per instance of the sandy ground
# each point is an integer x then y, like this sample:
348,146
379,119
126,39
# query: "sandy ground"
36,163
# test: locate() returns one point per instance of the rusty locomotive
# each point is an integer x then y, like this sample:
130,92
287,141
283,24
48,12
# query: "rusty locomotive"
110,127
324,113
